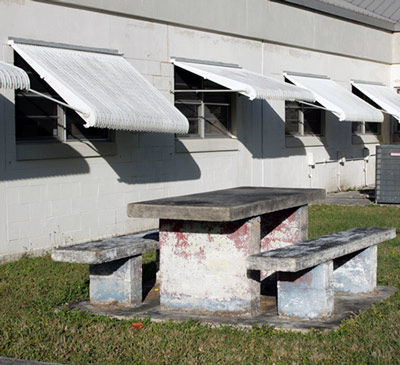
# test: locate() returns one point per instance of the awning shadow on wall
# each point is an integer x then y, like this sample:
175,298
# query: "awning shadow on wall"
262,131
150,158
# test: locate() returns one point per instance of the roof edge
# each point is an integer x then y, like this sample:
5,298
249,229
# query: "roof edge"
344,13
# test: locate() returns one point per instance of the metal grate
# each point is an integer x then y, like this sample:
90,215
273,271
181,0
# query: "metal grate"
388,174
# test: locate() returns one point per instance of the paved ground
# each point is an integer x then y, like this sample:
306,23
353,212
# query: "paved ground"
361,197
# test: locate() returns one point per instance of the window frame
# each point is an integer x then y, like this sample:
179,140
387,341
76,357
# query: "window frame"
52,149
359,129
300,121
64,125
201,103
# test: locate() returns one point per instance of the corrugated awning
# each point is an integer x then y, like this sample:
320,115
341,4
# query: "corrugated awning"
382,95
251,84
341,102
107,89
12,77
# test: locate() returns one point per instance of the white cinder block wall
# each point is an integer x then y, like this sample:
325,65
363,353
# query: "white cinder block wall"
57,201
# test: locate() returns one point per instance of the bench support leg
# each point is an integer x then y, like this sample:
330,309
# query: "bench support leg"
356,273
117,282
306,294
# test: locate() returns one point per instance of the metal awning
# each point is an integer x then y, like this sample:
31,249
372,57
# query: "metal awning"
251,84
341,102
12,77
382,95
104,88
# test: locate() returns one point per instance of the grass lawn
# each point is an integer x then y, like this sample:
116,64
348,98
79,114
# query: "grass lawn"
31,328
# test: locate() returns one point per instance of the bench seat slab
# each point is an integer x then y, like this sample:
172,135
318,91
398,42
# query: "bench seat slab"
311,253
109,249
306,294
356,273
118,282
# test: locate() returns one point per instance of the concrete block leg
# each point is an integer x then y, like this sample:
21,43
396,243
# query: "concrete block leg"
203,266
306,294
117,282
356,273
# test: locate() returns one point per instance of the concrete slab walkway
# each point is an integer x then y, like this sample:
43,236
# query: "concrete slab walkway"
362,197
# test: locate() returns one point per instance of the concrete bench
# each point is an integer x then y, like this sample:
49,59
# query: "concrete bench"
309,272
115,266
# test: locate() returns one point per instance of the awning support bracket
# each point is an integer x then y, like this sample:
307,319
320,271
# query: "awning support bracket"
85,113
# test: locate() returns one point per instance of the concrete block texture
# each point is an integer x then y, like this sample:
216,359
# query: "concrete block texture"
307,294
118,282
356,273
202,266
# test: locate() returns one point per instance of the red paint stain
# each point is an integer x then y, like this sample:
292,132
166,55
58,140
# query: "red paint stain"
305,279
241,237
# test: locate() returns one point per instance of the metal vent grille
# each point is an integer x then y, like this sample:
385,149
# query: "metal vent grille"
388,174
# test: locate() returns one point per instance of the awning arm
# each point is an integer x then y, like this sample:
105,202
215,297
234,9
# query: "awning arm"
207,91
315,106
321,107
85,113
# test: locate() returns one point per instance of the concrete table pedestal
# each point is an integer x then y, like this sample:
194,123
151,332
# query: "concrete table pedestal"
205,239
203,266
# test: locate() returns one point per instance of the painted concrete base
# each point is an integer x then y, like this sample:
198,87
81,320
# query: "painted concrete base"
306,294
118,282
346,306
203,268
356,273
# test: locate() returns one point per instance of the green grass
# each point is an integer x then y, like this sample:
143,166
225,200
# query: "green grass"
30,327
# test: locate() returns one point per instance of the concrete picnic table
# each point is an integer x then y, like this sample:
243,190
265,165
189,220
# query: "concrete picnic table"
206,237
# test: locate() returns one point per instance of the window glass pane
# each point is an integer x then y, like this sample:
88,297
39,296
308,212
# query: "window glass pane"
312,121
76,129
36,129
372,128
291,118
29,105
189,110
215,97
357,128
190,97
36,118
217,120
185,80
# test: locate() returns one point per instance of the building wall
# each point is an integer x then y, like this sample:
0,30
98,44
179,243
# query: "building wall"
55,201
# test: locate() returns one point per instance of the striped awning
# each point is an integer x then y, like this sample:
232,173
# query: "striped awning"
382,95
251,84
337,99
106,90
12,77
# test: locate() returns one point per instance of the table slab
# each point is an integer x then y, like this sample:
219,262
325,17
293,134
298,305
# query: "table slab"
225,205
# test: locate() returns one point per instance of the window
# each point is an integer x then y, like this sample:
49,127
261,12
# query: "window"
40,119
303,120
209,113
358,128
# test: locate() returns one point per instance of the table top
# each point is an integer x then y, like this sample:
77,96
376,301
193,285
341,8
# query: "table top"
225,205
